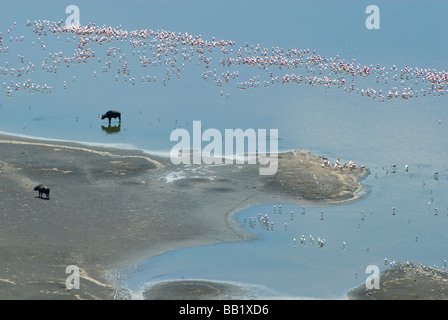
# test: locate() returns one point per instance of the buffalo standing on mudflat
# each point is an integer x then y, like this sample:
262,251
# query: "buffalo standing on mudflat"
111,114
43,190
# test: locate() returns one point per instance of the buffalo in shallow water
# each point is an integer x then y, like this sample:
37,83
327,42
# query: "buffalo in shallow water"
43,190
112,114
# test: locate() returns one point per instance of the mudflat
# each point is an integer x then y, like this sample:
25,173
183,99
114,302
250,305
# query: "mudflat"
406,281
110,209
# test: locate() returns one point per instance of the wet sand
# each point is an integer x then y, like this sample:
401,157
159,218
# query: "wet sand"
109,209
195,290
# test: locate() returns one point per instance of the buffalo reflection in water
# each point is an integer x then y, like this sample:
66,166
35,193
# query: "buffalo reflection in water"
111,129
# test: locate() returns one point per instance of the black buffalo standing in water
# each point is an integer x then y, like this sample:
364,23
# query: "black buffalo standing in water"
43,190
112,114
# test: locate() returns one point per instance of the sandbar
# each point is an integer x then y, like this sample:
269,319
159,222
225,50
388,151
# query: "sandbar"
112,208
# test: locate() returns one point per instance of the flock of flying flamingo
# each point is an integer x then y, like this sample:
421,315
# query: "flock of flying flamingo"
222,61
